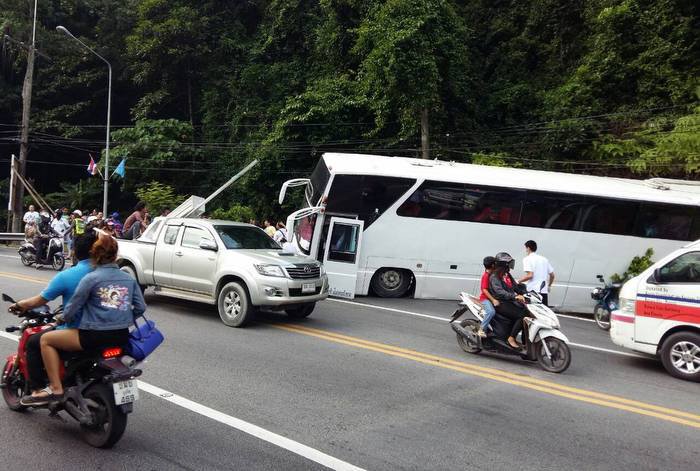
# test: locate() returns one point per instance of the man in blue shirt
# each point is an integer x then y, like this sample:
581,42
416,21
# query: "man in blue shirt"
63,284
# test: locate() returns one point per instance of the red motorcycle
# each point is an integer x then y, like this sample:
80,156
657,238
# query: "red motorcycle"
99,387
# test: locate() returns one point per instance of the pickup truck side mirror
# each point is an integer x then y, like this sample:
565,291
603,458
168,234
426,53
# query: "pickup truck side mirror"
208,244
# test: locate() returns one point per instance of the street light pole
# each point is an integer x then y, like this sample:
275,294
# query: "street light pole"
105,176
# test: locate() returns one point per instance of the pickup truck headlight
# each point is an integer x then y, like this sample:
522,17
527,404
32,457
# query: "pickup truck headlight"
626,305
322,269
270,270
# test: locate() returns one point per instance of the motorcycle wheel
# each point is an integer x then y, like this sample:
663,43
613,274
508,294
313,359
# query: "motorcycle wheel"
58,262
602,317
110,421
13,389
561,355
25,260
466,344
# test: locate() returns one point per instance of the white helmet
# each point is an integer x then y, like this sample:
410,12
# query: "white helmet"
78,213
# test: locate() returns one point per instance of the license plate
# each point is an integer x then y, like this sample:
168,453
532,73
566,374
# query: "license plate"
125,392
308,288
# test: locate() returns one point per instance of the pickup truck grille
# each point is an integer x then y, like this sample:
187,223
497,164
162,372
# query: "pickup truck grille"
304,271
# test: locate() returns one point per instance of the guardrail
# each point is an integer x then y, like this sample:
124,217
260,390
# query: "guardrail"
11,236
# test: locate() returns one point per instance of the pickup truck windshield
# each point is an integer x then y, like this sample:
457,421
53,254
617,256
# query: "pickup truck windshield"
242,237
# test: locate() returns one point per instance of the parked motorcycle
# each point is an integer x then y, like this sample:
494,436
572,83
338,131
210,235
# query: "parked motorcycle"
99,387
607,300
53,254
544,342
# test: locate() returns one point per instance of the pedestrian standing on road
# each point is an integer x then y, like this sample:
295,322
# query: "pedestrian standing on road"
269,228
116,224
136,223
31,216
61,227
487,301
538,270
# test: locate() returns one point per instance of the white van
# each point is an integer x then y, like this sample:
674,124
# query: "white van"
659,313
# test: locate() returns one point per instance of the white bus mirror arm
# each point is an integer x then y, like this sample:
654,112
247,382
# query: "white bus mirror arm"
289,184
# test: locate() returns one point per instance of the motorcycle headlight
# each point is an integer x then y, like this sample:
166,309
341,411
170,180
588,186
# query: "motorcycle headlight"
626,305
270,270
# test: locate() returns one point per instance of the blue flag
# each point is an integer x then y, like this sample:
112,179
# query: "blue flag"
121,169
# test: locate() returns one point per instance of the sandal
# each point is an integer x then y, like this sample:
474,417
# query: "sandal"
481,333
41,400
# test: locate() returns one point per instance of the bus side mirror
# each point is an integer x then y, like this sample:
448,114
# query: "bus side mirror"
291,183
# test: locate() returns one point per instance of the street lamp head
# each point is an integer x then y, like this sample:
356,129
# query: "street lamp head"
62,29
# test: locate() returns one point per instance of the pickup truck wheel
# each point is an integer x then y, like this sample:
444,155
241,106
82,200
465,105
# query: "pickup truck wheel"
234,305
130,271
300,311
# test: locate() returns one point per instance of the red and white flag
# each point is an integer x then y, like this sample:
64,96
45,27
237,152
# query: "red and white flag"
92,166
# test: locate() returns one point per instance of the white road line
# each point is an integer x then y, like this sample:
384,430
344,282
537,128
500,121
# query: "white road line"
245,427
443,319
9,256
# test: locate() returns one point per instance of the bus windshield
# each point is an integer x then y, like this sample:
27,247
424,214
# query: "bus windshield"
319,180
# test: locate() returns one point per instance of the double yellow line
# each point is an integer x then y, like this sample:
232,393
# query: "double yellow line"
547,387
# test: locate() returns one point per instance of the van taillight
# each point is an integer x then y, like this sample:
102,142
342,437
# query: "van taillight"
111,352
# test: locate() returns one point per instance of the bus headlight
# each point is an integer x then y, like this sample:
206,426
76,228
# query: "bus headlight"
270,270
626,305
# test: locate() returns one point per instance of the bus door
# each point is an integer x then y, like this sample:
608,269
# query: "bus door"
342,255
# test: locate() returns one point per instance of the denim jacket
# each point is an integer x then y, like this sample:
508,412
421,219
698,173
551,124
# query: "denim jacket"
110,299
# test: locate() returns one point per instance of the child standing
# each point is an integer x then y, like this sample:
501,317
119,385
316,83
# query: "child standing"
488,301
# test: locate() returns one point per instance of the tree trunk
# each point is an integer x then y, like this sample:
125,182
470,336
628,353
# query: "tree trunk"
18,196
424,134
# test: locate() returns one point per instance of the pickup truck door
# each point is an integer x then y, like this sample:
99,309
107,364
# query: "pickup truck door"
194,268
163,258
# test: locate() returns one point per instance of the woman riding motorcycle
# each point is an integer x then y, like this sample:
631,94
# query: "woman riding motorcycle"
502,287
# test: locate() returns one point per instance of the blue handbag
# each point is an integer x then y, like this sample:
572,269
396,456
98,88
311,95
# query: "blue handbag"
144,339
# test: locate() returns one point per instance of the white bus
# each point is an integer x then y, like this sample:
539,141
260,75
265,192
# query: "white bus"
401,226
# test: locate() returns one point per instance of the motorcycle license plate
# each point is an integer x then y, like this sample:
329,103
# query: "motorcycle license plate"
125,392
308,288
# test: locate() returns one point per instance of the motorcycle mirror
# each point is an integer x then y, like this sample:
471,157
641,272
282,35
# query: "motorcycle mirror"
8,299
600,277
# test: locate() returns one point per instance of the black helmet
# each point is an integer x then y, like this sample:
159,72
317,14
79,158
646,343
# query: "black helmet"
504,260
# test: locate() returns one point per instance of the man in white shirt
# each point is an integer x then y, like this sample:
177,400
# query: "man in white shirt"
537,270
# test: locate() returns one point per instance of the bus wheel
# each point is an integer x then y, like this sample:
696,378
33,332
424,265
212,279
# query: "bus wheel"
391,282
680,355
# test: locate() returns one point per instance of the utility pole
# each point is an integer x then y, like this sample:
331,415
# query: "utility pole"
18,194
424,134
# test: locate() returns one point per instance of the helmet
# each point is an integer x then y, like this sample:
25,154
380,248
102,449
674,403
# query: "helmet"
78,213
504,260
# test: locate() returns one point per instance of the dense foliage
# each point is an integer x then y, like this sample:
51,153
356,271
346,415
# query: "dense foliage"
201,87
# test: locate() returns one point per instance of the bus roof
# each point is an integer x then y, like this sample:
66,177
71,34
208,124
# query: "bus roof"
656,190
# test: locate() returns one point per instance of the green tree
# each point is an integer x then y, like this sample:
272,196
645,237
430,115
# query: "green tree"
158,197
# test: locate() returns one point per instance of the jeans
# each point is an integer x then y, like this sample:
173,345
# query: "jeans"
489,312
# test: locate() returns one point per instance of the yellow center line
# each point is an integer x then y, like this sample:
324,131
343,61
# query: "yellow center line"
548,387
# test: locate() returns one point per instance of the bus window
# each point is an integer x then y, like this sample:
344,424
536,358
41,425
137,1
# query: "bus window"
494,206
551,211
366,196
319,181
664,222
609,216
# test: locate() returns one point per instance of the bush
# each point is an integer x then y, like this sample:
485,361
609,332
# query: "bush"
158,197
236,212
637,265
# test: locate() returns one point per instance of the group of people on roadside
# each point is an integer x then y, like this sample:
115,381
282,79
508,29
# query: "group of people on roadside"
40,226
100,304
277,232
498,289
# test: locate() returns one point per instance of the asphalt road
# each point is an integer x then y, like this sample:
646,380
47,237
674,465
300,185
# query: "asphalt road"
376,384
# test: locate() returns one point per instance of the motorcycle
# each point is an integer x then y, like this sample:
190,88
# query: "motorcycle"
99,387
544,342
607,299
53,256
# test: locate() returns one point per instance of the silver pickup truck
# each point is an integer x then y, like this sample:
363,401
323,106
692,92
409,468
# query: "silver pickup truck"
235,266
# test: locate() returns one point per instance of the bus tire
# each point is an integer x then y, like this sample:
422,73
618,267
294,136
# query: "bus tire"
680,355
391,282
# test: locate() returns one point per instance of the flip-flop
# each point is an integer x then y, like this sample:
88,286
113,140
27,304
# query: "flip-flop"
35,401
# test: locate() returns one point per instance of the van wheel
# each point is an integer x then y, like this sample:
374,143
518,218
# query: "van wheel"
391,282
680,355
132,272
234,305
